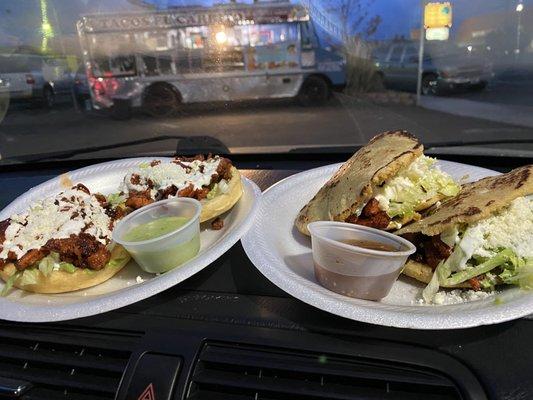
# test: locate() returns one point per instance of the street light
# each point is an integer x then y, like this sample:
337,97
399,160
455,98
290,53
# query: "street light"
519,7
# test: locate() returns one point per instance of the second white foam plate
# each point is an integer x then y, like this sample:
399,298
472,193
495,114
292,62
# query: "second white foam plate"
283,255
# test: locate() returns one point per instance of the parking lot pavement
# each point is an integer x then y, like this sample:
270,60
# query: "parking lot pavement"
497,112
516,92
266,126
509,102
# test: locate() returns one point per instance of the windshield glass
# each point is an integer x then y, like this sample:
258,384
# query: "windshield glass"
115,79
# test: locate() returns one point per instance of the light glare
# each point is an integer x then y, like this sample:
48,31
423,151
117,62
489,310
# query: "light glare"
221,37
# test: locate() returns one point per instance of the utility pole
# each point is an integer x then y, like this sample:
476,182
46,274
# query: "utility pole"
420,53
519,9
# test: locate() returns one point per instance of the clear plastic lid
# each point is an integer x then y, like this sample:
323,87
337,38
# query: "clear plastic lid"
163,252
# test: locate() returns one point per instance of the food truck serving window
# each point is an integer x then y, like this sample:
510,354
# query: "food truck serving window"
112,55
261,35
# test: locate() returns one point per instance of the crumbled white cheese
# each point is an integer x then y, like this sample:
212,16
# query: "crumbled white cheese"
456,296
56,218
139,279
511,228
163,175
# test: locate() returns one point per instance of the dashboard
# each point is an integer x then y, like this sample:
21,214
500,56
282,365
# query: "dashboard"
228,333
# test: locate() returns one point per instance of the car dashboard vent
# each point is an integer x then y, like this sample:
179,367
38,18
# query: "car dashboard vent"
232,372
61,371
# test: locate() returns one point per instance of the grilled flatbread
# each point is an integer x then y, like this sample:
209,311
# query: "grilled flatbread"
352,185
475,202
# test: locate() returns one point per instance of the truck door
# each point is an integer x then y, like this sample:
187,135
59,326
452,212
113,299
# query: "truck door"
281,59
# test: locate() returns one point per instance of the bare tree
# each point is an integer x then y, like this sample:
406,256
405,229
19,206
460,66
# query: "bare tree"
354,17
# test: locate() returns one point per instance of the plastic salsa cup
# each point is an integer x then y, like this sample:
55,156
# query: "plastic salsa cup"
353,270
163,235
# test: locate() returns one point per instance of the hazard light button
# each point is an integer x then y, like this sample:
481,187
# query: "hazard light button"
154,377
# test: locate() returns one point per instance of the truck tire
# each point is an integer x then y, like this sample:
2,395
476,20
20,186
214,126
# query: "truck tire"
481,85
49,98
429,85
315,91
161,100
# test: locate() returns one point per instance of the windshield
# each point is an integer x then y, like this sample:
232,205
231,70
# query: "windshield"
116,79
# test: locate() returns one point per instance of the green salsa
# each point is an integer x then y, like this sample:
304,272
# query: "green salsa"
154,229
161,257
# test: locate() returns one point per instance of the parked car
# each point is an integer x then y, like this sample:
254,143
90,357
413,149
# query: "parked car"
81,89
33,78
60,76
445,68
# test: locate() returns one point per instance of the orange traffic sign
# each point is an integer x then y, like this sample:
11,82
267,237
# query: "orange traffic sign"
438,15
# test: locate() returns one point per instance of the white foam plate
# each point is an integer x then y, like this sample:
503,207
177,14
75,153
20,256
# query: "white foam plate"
123,288
283,255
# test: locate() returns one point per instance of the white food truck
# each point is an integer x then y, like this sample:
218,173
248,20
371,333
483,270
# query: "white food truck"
159,60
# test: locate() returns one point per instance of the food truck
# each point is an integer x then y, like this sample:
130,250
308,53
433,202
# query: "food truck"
159,60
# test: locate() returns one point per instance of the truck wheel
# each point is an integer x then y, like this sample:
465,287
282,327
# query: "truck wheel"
429,85
315,91
160,101
48,97
479,86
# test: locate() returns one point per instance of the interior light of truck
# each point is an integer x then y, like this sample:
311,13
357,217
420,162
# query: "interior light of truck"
221,37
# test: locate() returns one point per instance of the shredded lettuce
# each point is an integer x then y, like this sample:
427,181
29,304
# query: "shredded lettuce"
489,282
29,276
432,288
450,236
116,262
446,268
47,264
52,263
116,199
514,271
67,267
418,183
9,283
218,188
520,274
144,165
213,192
501,258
